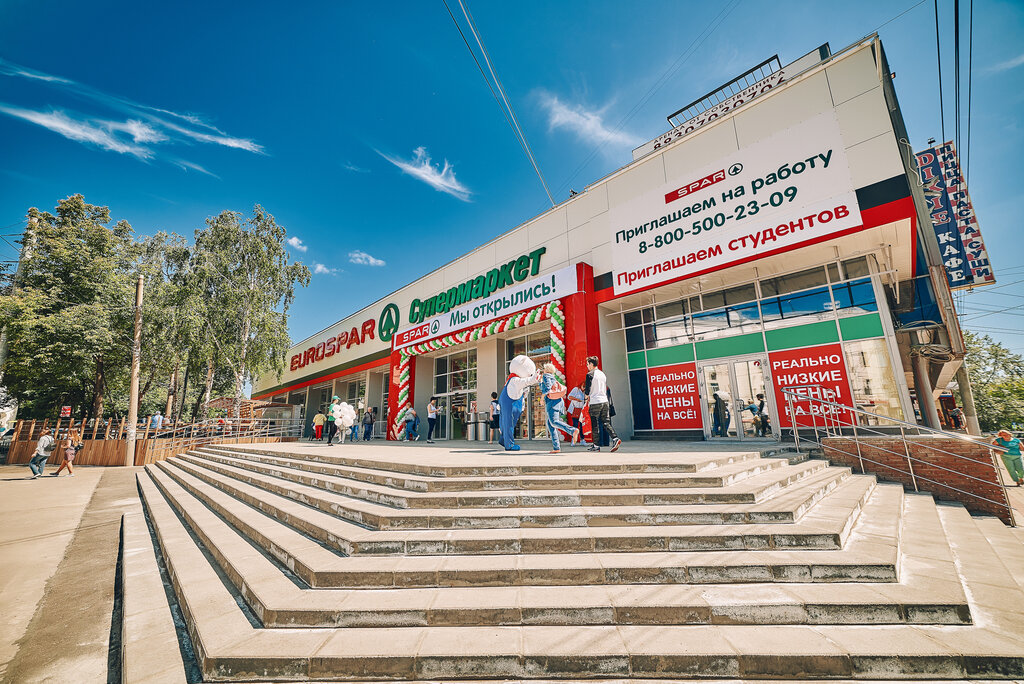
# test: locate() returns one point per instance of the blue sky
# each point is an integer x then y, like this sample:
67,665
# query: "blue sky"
371,136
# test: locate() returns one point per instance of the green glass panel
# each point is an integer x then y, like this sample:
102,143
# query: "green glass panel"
730,346
681,353
861,327
823,332
636,360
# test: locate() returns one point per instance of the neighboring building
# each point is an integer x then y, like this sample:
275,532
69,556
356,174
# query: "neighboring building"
778,244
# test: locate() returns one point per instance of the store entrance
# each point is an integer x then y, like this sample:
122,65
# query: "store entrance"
729,389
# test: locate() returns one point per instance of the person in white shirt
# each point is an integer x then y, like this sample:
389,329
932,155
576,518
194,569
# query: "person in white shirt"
495,418
596,389
432,413
43,450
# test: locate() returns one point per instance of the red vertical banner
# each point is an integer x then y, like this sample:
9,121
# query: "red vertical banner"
394,391
582,337
816,372
675,400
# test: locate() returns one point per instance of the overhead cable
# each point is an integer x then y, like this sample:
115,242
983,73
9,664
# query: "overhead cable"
938,58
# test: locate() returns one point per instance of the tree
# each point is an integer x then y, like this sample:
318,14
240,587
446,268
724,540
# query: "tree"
241,275
997,379
68,320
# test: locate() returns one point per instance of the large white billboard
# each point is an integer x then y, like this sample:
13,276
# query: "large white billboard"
786,190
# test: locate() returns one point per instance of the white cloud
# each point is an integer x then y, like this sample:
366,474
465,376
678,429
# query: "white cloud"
361,257
589,126
442,179
183,164
80,130
349,166
320,269
146,126
297,244
1007,65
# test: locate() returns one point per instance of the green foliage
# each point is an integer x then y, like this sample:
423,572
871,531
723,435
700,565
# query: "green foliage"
997,380
221,303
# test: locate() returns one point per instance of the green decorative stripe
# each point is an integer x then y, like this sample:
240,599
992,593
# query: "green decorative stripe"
861,327
730,346
636,360
681,353
802,335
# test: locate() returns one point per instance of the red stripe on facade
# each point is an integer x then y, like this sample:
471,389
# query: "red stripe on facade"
875,216
369,365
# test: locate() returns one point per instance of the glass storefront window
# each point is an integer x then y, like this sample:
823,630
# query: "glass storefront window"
872,380
794,282
671,310
854,297
856,268
816,303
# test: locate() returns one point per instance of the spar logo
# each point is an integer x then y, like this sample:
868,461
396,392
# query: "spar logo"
700,184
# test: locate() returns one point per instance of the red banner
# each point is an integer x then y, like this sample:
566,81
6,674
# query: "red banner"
818,372
675,401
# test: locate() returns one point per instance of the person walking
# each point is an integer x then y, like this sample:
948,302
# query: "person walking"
494,416
72,448
432,413
1012,455
368,425
318,424
596,391
332,428
554,393
764,423
577,399
411,423
43,450
720,414
156,422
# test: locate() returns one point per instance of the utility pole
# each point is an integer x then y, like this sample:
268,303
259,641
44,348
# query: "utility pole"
967,397
133,396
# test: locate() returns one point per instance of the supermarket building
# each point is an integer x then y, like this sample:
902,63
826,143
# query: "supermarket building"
779,238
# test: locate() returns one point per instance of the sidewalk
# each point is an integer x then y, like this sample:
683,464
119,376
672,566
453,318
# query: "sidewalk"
58,556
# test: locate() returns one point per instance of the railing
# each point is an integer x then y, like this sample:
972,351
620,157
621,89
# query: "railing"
930,463
177,439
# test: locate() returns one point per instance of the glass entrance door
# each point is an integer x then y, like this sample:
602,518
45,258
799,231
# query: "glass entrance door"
457,406
737,403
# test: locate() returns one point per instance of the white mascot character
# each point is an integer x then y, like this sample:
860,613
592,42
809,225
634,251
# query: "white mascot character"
522,373
344,418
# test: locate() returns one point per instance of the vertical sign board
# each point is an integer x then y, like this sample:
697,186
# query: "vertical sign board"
787,190
953,218
675,402
818,372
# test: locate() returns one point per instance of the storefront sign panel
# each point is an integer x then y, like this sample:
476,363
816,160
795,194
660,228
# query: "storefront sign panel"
817,372
561,283
675,399
788,189
953,219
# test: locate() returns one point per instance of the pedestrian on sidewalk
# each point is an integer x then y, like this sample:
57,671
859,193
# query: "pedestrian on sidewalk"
368,425
432,413
412,422
494,414
43,450
1012,455
318,424
332,427
596,390
554,393
73,446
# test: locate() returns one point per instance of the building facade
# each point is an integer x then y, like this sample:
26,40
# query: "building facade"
774,240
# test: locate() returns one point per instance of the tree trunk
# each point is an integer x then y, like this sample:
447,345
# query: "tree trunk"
172,387
209,387
98,386
240,373
179,406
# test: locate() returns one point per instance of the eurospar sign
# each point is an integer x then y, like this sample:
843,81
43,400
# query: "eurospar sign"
775,195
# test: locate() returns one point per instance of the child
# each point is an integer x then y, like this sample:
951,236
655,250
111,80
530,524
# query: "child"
74,445
318,424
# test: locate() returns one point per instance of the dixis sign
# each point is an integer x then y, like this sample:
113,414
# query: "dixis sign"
332,346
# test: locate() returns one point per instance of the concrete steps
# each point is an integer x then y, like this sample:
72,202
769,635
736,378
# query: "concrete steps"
822,528
287,568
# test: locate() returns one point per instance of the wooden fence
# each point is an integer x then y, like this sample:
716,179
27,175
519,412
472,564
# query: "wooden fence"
104,443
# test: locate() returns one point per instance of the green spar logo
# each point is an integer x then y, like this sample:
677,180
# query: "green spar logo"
388,323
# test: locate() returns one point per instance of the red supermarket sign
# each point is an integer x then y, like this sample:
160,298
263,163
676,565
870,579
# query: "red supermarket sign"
817,372
675,400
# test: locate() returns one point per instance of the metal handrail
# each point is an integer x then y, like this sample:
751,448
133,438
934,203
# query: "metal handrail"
833,429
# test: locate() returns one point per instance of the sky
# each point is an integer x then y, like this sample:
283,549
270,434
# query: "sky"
371,136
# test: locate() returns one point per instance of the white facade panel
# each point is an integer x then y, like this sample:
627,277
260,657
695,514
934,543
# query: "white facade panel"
851,76
546,227
863,117
587,205
714,142
798,101
874,160
626,186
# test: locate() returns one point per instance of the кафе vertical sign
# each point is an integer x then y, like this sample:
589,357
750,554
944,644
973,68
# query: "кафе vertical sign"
791,188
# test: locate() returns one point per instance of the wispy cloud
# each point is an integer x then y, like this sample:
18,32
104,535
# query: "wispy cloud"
296,243
143,129
349,166
360,257
588,125
320,269
1007,65
440,178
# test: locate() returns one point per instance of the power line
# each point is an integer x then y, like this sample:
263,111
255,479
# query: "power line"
991,313
508,105
970,63
938,57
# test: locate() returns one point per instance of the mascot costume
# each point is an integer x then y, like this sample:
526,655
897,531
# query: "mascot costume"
344,418
522,374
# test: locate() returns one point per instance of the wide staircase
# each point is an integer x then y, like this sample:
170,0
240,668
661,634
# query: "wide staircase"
364,562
